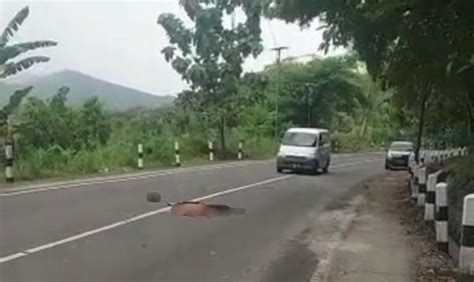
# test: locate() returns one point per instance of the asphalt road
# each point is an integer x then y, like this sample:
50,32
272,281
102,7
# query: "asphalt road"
104,230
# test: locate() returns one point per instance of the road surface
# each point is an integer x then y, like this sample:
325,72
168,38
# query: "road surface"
104,230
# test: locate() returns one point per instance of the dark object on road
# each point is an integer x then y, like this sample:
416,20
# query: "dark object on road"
153,197
198,209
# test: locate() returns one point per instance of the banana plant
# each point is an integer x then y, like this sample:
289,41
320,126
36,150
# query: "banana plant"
9,67
8,52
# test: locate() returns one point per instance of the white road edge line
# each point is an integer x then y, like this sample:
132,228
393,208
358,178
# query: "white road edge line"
149,214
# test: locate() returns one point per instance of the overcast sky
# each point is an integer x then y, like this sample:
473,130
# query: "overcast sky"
120,41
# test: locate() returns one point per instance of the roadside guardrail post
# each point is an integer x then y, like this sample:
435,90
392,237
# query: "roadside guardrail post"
421,186
211,151
177,154
239,154
430,197
9,162
414,187
140,156
441,216
466,252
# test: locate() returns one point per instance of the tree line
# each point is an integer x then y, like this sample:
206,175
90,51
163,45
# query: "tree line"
386,89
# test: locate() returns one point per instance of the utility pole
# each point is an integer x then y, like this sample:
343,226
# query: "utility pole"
278,61
309,103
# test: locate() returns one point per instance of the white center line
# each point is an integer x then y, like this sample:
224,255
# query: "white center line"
149,214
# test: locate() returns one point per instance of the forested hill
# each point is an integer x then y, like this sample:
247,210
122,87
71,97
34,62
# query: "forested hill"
83,87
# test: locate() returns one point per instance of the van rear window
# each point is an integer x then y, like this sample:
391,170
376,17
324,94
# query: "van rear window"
300,139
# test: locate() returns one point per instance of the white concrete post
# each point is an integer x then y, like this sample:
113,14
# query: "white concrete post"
430,196
428,159
421,186
240,154
441,216
211,151
177,153
466,252
140,156
434,157
414,187
411,164
9,162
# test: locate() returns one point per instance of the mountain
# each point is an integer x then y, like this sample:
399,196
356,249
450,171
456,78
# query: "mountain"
83,87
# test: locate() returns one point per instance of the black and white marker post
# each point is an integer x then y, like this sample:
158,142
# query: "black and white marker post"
466,252
441,216
9,161
430,196
211,151
140,156
177,155
421,186
240,154
414,187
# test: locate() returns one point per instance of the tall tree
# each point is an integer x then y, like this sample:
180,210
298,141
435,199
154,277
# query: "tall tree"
314,92
209,55
419,46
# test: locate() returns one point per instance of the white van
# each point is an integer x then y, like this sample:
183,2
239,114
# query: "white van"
305,149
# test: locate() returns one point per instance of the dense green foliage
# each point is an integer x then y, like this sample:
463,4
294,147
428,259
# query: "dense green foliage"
422,49
55,139
335,93
209,55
